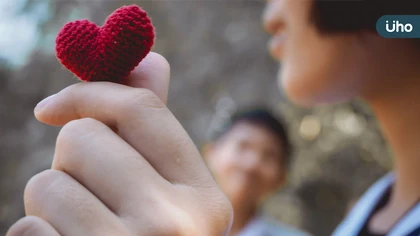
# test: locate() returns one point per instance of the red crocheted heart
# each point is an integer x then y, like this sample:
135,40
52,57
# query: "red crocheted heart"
107,53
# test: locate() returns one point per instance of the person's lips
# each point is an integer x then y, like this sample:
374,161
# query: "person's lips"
276,45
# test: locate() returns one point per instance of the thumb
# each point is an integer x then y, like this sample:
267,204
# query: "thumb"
153,73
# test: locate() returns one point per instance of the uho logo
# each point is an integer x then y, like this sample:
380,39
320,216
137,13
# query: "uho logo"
398,27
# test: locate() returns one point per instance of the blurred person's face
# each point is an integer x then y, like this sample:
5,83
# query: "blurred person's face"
323,68
247,163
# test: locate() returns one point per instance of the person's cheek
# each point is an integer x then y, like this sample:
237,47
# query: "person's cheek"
303,70
226,166
303,56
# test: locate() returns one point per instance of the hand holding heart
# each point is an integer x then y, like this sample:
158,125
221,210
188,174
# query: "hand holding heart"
123,165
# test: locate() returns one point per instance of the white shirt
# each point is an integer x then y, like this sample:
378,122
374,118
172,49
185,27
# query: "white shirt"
264,227
357,217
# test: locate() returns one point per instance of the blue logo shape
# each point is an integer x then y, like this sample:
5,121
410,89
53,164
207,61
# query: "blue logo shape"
399,26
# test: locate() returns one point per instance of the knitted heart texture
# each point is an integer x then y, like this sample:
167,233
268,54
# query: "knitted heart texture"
107,53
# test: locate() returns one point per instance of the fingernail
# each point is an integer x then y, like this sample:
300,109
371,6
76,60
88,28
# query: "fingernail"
44,102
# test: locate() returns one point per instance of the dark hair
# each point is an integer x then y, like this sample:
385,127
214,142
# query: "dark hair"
263,118
355,15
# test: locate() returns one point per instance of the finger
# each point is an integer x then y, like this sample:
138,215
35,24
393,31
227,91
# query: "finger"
152,73
60,200
105,164
140,118
32,226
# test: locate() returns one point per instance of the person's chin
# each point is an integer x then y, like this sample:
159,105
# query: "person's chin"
294,92
243,197
240,189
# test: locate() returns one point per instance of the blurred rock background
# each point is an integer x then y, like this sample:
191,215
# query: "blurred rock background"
217,51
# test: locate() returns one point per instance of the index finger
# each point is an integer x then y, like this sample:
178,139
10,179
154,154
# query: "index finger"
140,118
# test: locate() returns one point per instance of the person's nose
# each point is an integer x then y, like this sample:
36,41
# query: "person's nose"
251,162
273,16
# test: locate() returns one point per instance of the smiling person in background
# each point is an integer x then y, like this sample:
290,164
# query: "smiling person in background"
249,160
135,171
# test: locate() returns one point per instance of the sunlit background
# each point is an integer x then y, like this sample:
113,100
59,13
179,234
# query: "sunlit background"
219,64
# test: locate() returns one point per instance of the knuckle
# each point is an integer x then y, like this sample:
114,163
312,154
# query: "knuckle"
141,98
29,225
182,223
76,129
169,229
221,215
225,216
74,136
39,186
166,221
183,228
